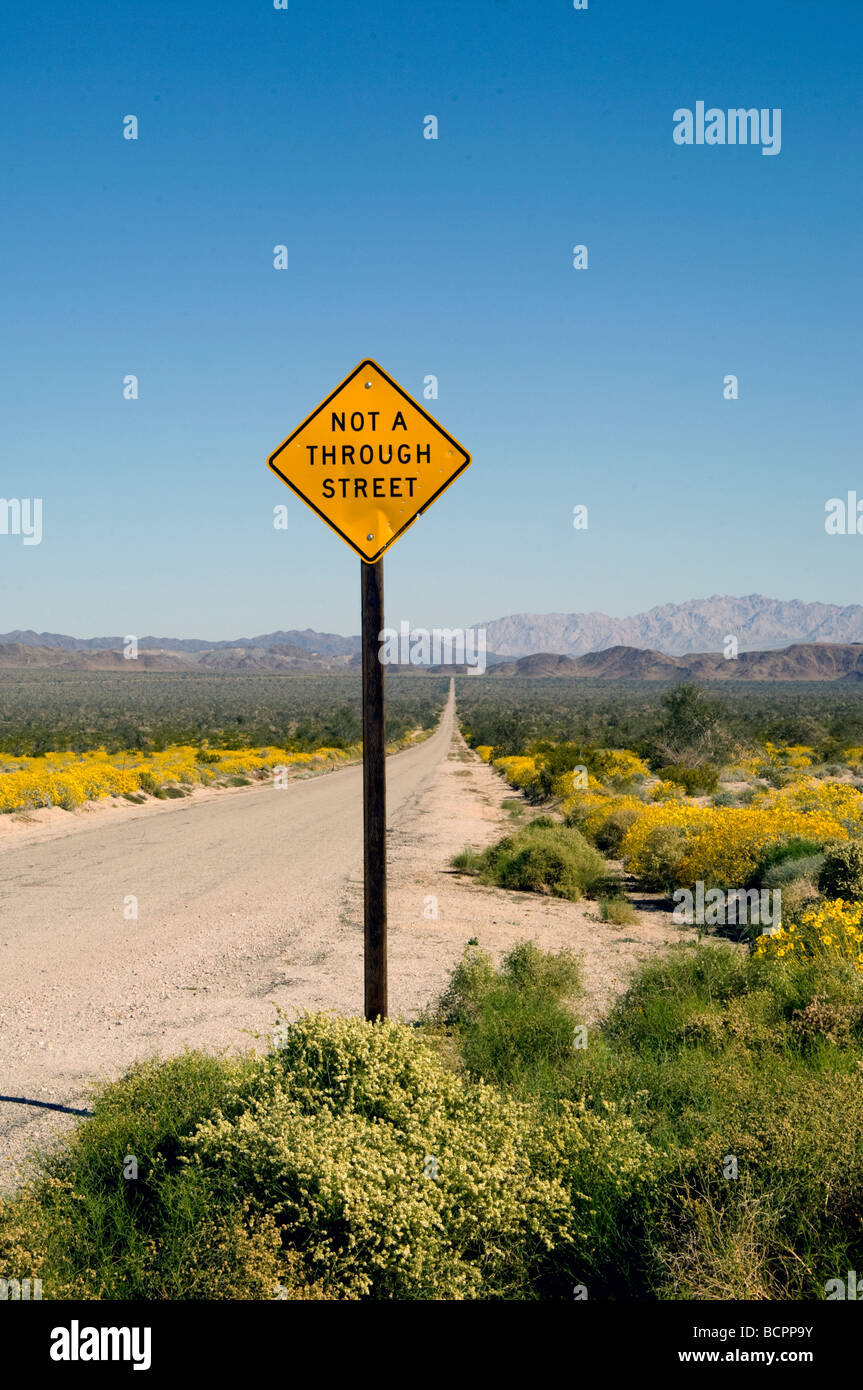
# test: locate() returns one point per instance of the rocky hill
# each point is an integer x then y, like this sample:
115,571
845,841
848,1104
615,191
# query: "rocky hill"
18,656
799,662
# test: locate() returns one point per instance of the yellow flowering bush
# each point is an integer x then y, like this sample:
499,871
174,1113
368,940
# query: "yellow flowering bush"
778,757
587,808
729,847
723,845
834,801
563,787
834,928
604,819
663,790
616,765
794,755
519,771
69,779
749,763
667,840
485,751
240,761
853,760
62,782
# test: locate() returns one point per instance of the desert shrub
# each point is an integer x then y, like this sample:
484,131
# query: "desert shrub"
338,1146
715,1052
618,767
796,847
718,1249
608,836
515,1027
841,874
738,798
93,1234
544,857
798,894
703,778
693,726
618,910
661,853
664,994
793,865
68,795
310,1167
596,811
553,763
518,770
512,1023
542,866
752,1239
469,982
724,846
789,870
833,803
584,806
553,975
666,791
719,996
792,1219
832,929
836,1018
347,1163
468,860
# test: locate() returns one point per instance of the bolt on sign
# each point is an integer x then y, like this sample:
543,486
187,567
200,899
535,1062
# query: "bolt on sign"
369,460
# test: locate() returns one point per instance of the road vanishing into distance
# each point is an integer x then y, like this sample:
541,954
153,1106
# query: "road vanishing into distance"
244,901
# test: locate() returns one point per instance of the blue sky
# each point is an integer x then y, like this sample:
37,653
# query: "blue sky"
453,257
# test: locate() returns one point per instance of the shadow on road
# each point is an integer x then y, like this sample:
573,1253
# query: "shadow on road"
44,1105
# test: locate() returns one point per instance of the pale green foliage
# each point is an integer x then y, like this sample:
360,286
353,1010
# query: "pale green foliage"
337,1146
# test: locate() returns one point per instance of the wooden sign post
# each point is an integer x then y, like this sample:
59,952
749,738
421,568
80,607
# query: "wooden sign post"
374,794
369,460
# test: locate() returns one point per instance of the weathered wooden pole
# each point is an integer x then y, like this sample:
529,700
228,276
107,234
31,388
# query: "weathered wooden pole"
374,794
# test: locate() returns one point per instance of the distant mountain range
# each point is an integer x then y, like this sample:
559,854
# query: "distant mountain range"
315,643
776,640
701,625
822,661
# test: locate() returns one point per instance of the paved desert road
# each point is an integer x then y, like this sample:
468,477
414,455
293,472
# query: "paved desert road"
244,902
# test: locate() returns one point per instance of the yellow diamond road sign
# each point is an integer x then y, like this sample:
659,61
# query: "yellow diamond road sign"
369,460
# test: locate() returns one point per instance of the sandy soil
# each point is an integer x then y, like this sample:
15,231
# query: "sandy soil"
464,805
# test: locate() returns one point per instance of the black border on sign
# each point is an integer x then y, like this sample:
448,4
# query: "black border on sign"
368,362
